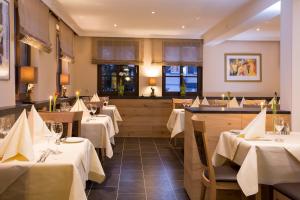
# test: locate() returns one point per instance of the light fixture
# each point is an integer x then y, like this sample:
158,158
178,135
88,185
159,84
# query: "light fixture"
257,29
183,27
64,79
28,76
197,18
153,12
152,82
115,25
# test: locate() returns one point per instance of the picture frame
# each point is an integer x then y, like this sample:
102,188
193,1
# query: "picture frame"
243,67
4,40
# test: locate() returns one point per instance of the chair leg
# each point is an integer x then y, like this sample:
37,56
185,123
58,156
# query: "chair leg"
203,191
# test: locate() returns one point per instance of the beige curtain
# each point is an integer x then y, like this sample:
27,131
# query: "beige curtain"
66,36
177,51
117,51
34,24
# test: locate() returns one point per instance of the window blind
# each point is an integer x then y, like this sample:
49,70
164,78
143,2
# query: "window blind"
34,24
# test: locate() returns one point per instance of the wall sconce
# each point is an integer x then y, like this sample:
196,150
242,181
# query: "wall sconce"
28,76
64,80
152,82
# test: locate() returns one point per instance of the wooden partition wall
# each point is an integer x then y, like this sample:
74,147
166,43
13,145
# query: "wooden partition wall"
143,117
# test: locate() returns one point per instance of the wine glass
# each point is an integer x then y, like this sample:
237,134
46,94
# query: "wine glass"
93,109
6,126
57,129
48,135
1,127
279,124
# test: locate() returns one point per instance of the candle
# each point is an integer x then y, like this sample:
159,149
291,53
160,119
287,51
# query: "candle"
50,103
223,96
77,94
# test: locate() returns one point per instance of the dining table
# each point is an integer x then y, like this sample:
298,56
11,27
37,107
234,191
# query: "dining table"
99,129
267,160
60,175
113,112
175,122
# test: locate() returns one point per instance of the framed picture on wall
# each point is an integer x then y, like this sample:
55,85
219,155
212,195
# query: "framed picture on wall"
243,67
4,40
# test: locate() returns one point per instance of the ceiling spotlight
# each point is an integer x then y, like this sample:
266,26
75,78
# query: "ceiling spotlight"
183,27
197,18
115,25
153,12
257,29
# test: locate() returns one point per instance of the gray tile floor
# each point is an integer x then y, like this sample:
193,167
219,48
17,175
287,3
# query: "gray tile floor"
141,168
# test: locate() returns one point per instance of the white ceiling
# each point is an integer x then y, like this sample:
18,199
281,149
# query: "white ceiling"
268,31
134,18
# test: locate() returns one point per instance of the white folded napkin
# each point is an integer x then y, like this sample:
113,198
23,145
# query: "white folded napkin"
257,127
37,126
17,145
196,103
95,98
205,102
233,103
80,106
242,102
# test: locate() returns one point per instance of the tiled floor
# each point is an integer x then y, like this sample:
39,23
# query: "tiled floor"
141,168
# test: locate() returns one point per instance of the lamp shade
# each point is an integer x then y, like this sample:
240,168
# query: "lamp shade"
64,79
152,81
28,74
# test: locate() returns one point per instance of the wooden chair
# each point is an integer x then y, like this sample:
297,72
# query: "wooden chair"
181,102
64,117
286,191
213,178
254,103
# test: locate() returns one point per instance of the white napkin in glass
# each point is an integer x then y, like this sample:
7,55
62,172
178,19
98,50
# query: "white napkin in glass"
242,102
196,103
233,103
37,126
95,98
80,106
17,144
205,102
257,127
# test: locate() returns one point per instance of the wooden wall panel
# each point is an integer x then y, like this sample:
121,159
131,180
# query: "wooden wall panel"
143,117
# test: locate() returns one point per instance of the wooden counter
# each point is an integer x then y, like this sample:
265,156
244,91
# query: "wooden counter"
216,120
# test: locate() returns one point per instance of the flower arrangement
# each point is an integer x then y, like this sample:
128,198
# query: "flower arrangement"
182,89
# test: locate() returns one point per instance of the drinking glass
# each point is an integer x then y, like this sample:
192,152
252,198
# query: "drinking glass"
57,129
48,135
1,127
93,108
279,124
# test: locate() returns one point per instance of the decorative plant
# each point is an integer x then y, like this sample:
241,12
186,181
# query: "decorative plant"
274,103
121,85
182,89
228,95
56,94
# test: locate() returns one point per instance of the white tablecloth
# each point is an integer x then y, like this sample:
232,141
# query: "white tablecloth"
100,131
113,112
176,122
61,176
262,162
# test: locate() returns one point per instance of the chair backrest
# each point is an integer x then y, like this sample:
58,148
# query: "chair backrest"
202,145
219,103
64,117
254,103
180,102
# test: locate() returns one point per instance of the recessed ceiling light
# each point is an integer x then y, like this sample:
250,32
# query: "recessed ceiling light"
257,29
153,12
197,18
183,27
115,25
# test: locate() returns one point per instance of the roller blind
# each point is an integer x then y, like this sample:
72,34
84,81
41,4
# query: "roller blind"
34,24
66,36
117,51
177,52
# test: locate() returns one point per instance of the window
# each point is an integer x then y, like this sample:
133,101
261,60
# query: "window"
175,76
111,76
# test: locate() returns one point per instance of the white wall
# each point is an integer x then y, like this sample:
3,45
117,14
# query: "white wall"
7,88
213,69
